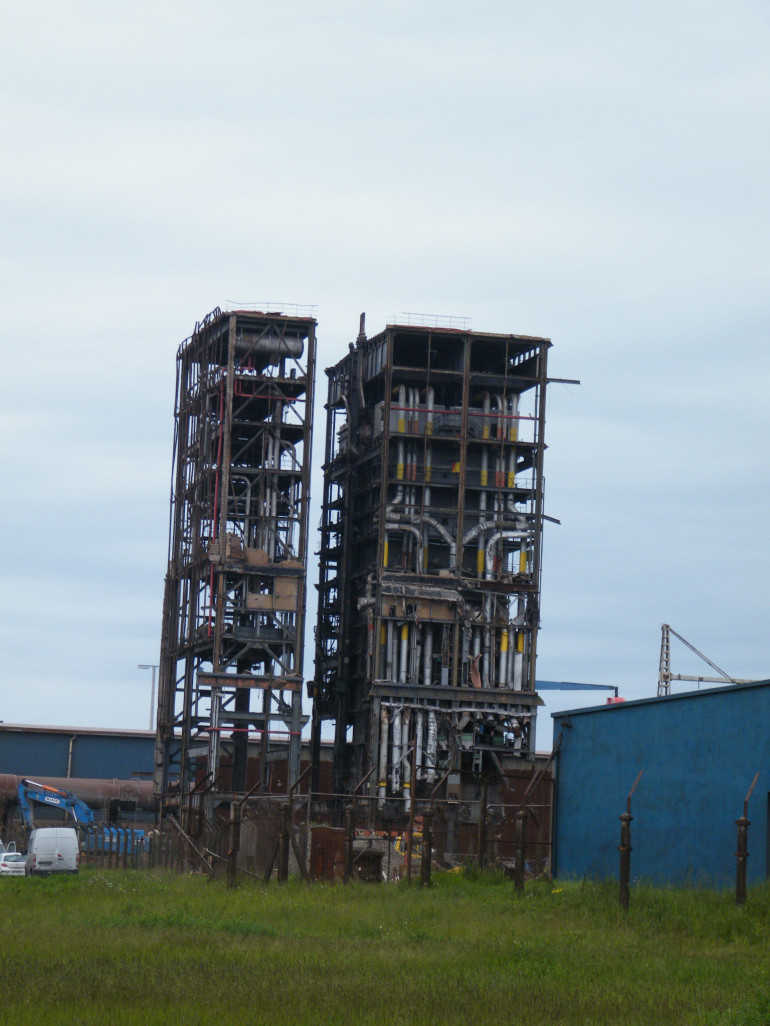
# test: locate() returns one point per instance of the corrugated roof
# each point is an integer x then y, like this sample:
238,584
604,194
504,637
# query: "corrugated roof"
103,731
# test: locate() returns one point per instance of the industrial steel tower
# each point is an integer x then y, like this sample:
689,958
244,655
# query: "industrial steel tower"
234,607
430,559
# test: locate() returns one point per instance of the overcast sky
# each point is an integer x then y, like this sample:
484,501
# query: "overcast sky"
596,173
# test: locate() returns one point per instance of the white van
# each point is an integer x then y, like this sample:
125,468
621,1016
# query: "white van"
52,850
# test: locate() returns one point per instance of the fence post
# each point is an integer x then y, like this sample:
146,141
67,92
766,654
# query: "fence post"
625,847
625,858
283,851
427,848
742,852
235,843
521,850
483,826
348,845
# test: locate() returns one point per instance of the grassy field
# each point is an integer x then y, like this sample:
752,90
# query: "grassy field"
122,947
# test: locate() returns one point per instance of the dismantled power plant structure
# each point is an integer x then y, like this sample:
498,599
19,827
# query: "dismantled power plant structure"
428,580
234,608
430,559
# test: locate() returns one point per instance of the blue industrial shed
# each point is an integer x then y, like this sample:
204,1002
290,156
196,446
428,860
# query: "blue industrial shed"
37,751
699,752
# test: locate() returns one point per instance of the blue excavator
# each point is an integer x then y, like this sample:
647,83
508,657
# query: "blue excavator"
51,797
96,838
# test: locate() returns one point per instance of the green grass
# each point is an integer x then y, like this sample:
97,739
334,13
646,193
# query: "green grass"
129,948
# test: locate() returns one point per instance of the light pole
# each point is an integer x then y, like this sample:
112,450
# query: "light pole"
153,667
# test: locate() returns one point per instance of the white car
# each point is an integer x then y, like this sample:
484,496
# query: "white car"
12,864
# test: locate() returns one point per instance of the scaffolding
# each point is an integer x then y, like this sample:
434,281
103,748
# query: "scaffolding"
234,605
430,554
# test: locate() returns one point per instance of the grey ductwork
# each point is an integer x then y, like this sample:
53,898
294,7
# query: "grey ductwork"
392,525
518,527
493,540
404,520
274,346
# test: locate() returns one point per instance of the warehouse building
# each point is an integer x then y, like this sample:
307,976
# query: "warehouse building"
76,752
698,754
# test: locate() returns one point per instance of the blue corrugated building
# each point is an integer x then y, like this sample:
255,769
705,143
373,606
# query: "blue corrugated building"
699,752
36,751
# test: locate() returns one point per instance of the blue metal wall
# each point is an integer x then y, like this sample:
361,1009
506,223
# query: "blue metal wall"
37,752
699,752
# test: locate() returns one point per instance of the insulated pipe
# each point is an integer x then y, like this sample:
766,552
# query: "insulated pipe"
419,751
397,500
482,493
382,652
427,655
488,671
405,769
476,635
404,661
382,787
511,469
518,659
513,435
431,747
409,509
393,525
401,430
429,398
502,676
500,408
413,671
395,762
389,653
492,541
426,505
485,424
368,600
414,416
488,525
95,792
408,522
513,427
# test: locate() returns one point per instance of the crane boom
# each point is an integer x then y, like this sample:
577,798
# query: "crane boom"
665,676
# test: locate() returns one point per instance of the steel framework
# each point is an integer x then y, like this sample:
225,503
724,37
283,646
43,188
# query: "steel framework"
234,606
430,556
665,676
